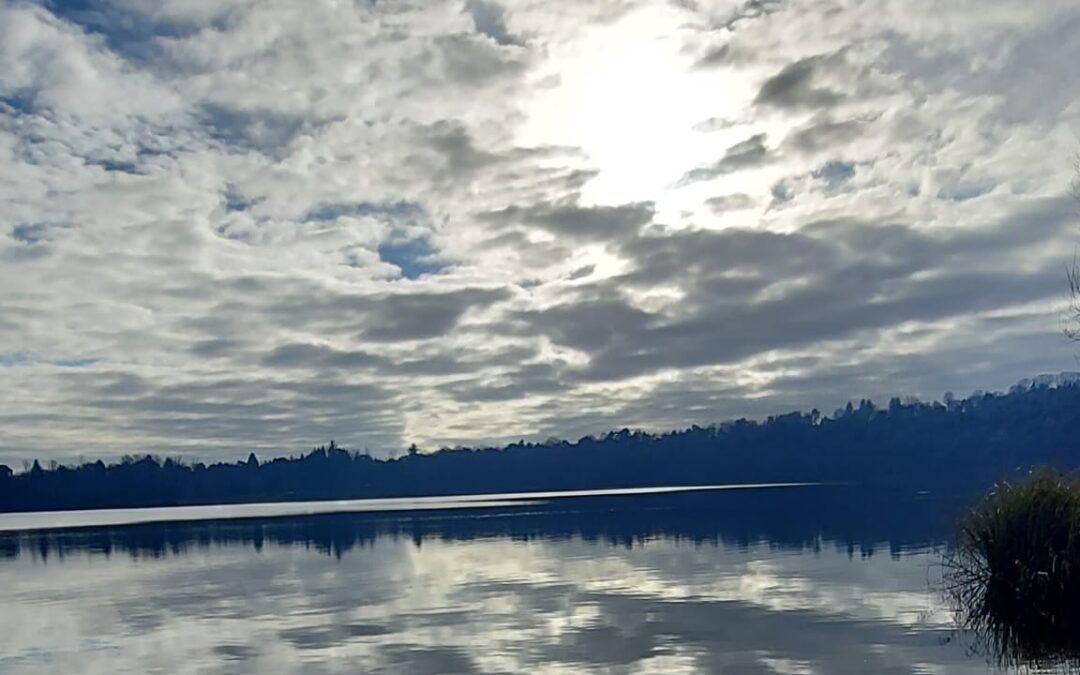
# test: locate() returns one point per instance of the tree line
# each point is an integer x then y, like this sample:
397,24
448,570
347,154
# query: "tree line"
955,444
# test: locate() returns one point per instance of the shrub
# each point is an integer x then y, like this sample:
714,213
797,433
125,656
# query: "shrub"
1014,575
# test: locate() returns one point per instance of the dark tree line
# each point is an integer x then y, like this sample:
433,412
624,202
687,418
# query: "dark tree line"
955,445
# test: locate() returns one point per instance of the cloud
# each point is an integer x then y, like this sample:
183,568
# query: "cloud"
30,233
733,202
385,317
748,154
414,316
745,294
260,225
260,130
794,86
577,222
825,133
489,19
834,172
714,124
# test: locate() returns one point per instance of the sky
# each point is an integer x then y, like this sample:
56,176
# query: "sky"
233,227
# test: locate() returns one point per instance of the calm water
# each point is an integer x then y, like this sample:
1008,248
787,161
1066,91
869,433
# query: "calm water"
794,580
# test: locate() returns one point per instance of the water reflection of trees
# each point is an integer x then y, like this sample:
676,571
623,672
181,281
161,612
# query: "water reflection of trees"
799,518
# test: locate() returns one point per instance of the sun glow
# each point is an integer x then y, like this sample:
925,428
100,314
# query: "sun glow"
630,96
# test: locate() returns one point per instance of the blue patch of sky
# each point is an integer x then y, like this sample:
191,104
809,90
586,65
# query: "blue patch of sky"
412,257
29,233
112,165
75,363
25,358
147,151
389,210
263,130
13,359
412,254
235,201
18,103
781,192
835,172
127,32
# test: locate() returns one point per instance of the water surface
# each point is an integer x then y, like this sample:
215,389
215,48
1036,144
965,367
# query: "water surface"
801,580
37,520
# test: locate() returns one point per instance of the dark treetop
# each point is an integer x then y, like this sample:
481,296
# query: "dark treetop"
955,445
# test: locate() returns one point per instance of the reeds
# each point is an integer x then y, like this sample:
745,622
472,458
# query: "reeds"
1014,575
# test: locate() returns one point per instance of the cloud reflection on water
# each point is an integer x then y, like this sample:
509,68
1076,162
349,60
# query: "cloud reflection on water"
509,595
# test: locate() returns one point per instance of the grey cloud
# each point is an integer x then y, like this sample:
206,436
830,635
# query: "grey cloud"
423,660
306,355
230,652
961,192
454,143
582,272
418,316
781,193
794,86
589,325
752,9
25,254
217,348
733,19
1030,60
578,222
824,133
746,154
459,160
715,56
120,384
714,124
324,359
739,301
263,411
695,254
400,210
386,317
733,202
475,61
115,165
325,637
520,382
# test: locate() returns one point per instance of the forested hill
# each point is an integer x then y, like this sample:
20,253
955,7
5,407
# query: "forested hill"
955,445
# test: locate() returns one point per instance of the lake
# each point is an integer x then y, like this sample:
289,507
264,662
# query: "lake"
801,579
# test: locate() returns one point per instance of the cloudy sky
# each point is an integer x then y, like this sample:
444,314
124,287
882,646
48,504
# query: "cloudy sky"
258,225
